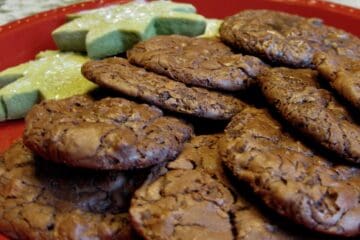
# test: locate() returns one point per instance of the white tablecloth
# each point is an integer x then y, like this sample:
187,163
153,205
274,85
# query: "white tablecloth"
351,3
14,9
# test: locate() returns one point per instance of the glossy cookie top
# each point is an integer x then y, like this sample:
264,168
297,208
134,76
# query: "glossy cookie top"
284,38
112,133
289,177
298,97
118,74
343,74
201,62
200,162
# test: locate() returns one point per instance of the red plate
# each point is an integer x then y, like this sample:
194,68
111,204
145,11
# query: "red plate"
21,40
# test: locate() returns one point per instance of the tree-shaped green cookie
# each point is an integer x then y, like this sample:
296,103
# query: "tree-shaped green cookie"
113,30
53,75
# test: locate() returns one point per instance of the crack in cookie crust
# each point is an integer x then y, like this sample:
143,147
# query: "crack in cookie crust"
118,74
296,95
41,200
201,62
289,177
112,133
286,39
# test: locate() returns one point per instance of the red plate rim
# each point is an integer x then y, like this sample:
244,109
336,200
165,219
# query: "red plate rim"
329,6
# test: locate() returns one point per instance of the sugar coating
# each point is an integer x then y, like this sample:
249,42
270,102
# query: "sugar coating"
212,28
112,30
52,75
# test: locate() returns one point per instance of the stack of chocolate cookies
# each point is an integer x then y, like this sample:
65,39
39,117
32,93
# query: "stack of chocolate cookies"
252,136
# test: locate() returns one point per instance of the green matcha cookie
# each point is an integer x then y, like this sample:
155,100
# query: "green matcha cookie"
53,75
113,30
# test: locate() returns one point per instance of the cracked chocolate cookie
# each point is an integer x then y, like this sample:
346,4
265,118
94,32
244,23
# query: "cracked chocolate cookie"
201,153
284,38
118,74
314,111
343,74
112,133
248,221
289,177
196,61
43,200
182,204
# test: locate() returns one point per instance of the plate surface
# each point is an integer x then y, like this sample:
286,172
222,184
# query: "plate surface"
20,41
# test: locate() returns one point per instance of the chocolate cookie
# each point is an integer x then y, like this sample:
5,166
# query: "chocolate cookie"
251,223
284,38
247,221
120,75
196,61
182,204
343,74
201,153
314,111
289,177
112,133
42,200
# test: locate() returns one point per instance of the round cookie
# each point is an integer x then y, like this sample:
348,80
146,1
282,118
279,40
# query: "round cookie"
343,74
196,61
43,200
289,177
284,38
112,133
314,111
118,74
250,220
183,204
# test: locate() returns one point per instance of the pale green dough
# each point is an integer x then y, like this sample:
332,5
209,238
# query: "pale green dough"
113,30
53,75
11,74
212,28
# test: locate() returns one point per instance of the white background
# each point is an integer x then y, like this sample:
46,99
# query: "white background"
353,3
